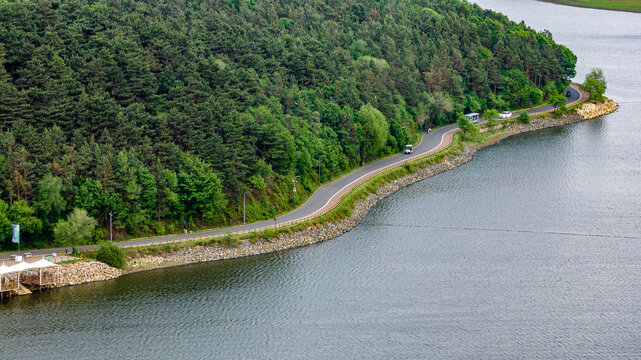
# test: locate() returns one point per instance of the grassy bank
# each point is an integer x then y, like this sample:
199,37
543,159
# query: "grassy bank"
620,5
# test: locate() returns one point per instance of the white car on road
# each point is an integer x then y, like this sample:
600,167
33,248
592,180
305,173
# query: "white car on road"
505,115
409,149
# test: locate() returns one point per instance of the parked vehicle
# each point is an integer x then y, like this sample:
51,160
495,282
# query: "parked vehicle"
505,115
474,117
409,149
568,94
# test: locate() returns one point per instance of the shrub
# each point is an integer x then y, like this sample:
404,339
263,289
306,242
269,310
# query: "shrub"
524,117
159,228
268,234
75,252
228,240
257,182
490,114
111,255
99,235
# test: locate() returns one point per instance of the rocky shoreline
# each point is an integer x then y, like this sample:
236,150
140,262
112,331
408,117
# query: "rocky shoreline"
591,111
79,273
85,272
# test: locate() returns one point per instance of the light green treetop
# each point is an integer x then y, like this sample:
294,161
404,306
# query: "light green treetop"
595,84
76,230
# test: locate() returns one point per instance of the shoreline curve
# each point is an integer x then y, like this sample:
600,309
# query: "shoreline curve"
330,230
95,271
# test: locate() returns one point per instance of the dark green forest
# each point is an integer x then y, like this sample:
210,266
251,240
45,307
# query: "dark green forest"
166,112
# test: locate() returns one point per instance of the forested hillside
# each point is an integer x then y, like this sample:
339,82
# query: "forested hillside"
166,112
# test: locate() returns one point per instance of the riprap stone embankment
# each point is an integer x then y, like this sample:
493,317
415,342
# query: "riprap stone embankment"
74,274
591,111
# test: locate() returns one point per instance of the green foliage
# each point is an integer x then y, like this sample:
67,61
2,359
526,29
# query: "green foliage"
490,113
595,84
378,64
468,129
257,182
50,203
557,100
374,130
524,117
99,235
5,223
568,63
24,215
159,228
472,104
50,199
77,230
492,116
228,240
111,255
111,107
200,188
518,92
359,48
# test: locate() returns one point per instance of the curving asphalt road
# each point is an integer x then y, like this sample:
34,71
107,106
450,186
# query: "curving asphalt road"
330,194
576,96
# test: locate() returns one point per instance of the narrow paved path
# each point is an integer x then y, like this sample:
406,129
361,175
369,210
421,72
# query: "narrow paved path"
330,194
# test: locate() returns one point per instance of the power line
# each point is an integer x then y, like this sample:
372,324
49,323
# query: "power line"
371,223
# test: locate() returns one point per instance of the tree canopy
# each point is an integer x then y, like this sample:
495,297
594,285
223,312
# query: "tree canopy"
595,84
76,230
164,113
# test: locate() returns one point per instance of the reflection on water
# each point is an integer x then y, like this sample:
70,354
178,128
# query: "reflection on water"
529,251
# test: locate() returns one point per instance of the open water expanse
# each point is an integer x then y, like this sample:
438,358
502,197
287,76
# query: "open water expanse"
532,250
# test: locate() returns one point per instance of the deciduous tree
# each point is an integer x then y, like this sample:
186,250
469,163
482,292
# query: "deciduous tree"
595,84
76,230
373,130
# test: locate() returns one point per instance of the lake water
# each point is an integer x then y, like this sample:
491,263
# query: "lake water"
532,250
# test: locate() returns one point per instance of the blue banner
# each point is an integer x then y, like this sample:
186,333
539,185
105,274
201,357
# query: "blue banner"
16,234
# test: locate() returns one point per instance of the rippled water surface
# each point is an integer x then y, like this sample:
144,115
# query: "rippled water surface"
532,250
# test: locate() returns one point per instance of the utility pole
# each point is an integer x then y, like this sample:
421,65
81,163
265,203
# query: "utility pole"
296,177
319,168
111,236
